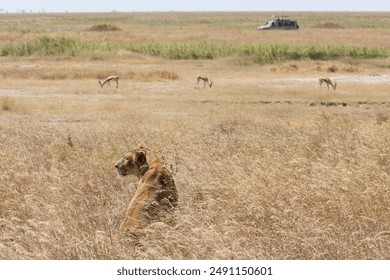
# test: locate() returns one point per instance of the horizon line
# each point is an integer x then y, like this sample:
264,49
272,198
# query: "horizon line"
194,11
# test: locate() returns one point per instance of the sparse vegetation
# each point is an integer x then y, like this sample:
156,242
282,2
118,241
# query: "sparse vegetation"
7,103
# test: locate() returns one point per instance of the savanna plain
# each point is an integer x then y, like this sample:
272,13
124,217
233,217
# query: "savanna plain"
268,164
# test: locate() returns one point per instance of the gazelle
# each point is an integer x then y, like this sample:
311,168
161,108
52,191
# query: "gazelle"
108,80
205,81
328,82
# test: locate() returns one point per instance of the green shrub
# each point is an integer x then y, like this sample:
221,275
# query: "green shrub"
259,53
46,45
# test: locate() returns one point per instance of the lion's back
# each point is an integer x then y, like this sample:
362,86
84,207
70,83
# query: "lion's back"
155,199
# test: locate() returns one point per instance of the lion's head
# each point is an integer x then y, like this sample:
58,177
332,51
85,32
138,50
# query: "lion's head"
134,163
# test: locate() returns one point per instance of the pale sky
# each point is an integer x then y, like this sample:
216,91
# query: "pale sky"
13,6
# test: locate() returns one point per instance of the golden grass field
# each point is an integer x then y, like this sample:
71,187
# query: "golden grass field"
267,164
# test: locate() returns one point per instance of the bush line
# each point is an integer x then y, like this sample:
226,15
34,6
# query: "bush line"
260,53
46,45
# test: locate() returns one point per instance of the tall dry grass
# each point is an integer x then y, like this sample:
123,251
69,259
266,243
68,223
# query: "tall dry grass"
256,180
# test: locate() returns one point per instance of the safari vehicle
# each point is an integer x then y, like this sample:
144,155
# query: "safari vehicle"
279,23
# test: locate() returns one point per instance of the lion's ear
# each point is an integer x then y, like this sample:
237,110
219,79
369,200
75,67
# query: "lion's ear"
140,158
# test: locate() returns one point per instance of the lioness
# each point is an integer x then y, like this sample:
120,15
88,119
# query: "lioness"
156,193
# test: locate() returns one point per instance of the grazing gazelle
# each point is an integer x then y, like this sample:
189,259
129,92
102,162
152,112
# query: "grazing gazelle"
328,82
108,80
205,81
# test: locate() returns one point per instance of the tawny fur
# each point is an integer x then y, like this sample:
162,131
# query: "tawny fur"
156,194
328,82
205,80
108,80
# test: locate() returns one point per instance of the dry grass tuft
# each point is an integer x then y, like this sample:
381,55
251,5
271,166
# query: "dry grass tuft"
328,25
7,103
382,117
160,75
105,27
332,69
351,69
